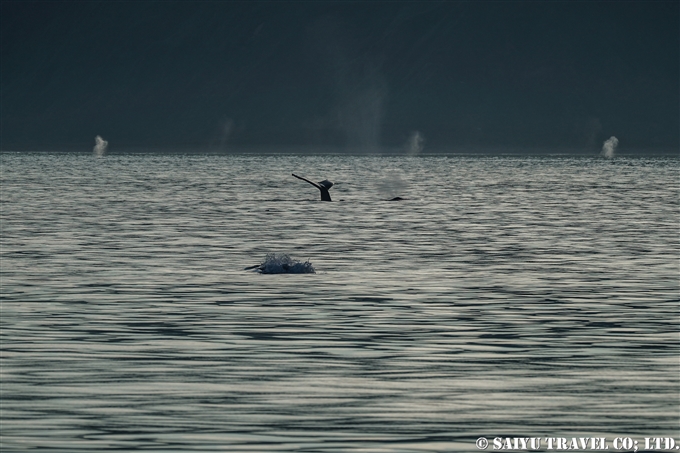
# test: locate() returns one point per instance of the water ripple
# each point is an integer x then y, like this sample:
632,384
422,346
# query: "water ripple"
503,297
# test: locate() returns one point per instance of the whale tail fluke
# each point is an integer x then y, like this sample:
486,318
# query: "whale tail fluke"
323,187
326,183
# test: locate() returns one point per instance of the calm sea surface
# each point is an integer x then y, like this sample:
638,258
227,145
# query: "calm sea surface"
506,296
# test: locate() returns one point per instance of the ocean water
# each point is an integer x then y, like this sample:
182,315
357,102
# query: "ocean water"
503,297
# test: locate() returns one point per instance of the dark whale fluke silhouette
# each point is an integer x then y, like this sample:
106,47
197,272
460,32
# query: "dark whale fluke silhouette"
323,187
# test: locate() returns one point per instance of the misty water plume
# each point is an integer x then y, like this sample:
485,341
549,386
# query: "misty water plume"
609,147
392,184
415,143
100,146
224,131
361,118
354,72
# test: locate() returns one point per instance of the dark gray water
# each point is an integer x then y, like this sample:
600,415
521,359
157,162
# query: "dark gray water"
533,297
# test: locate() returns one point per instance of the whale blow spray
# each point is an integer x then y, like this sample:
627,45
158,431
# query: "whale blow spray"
415,143
392,184
609,147
100,146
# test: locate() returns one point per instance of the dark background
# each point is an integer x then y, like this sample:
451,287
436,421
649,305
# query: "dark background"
229,75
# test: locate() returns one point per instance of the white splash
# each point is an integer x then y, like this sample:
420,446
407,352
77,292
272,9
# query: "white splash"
283,264
415,143
100,146
609,147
